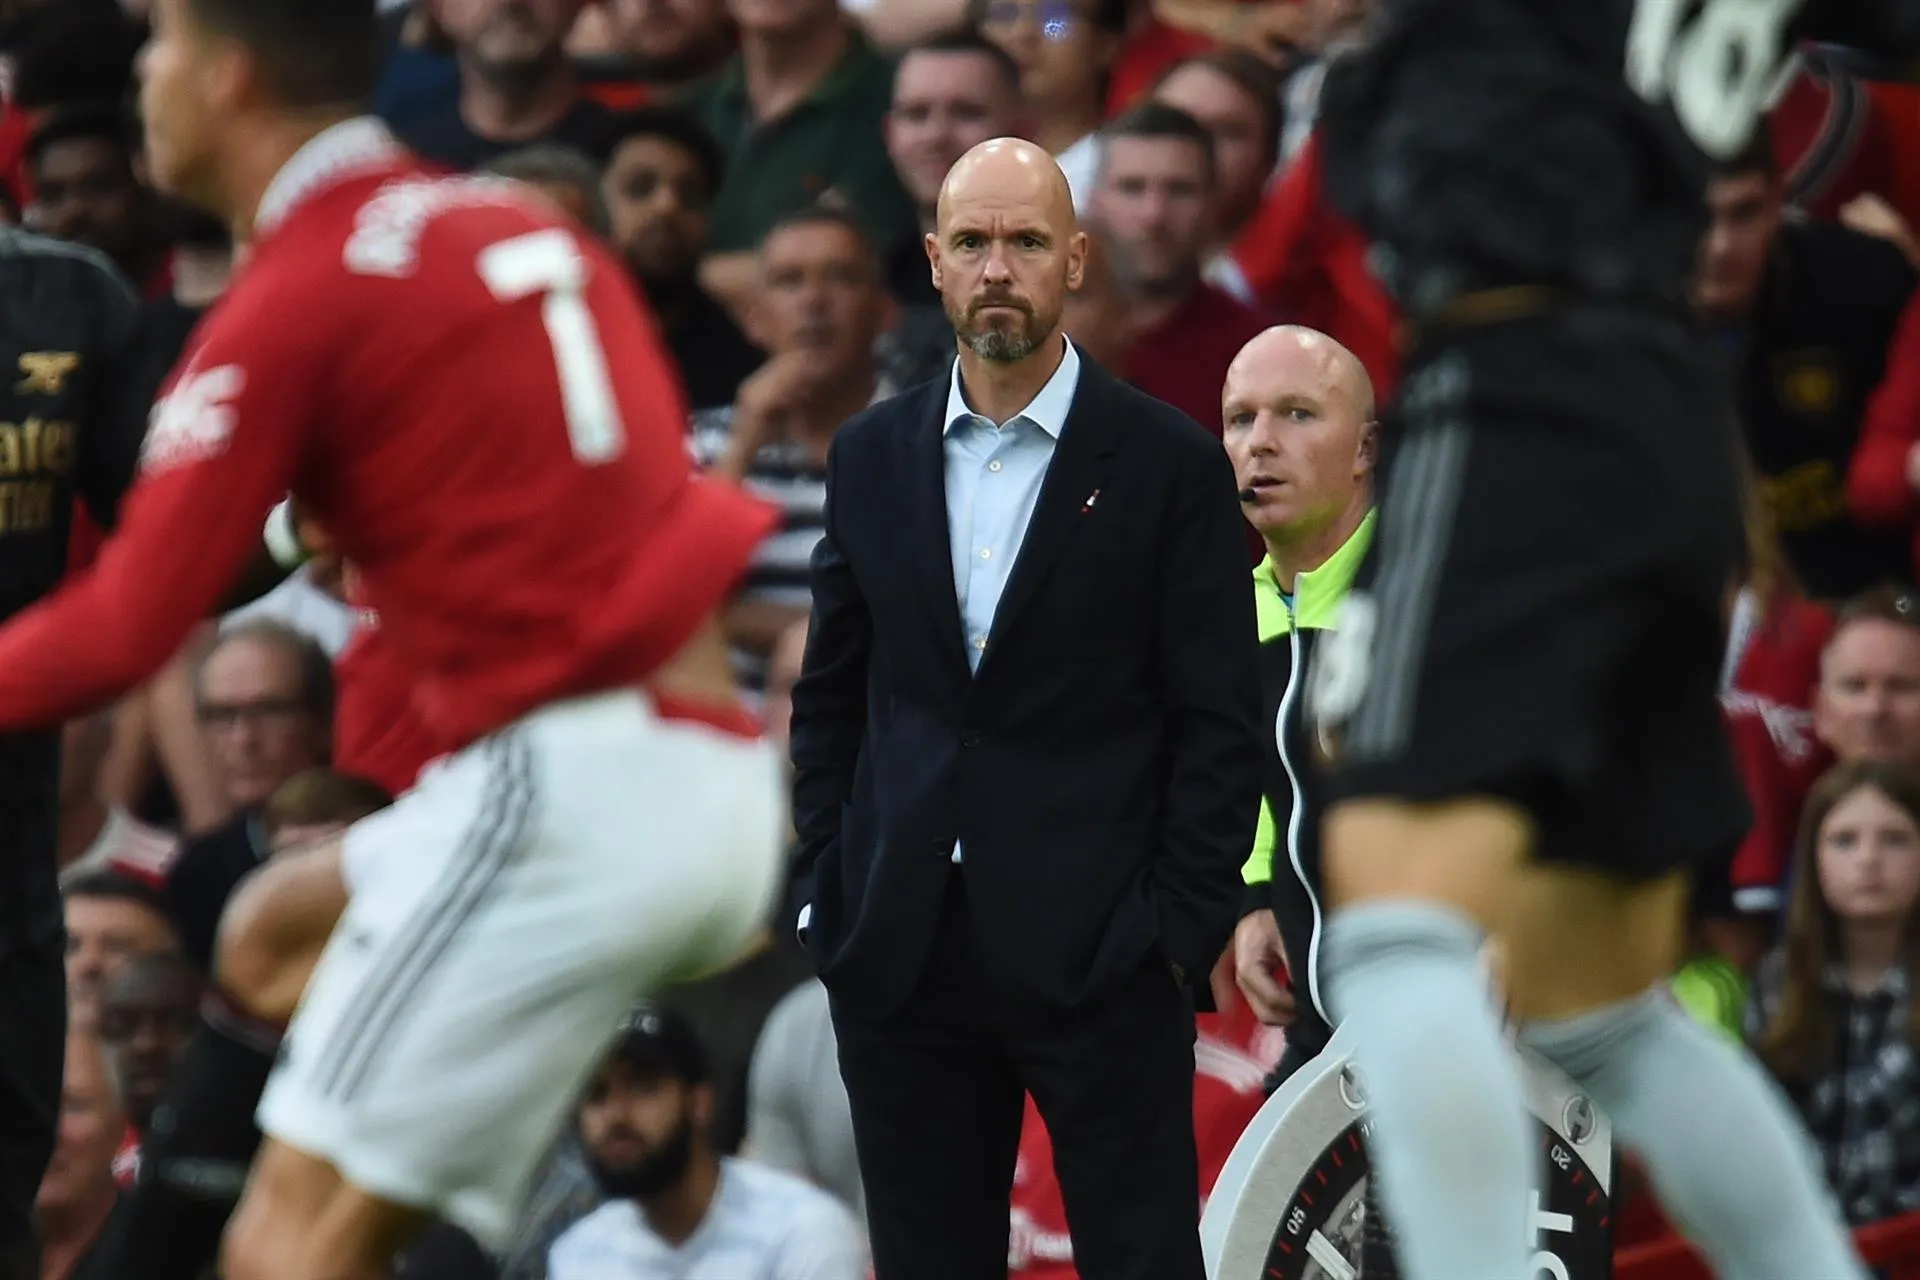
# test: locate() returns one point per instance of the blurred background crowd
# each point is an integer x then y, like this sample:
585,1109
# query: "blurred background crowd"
765,169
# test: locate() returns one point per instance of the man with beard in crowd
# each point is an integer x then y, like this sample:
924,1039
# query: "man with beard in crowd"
516,86
646,1124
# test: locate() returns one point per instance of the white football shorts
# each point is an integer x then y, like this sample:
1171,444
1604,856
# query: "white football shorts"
504,914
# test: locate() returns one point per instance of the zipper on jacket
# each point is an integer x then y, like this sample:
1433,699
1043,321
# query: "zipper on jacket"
1312,958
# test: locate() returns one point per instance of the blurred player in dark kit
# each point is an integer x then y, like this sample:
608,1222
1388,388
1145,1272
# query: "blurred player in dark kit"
1525,724
76,381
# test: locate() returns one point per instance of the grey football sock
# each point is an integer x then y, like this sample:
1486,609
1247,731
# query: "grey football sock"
1451,1144
1728,1159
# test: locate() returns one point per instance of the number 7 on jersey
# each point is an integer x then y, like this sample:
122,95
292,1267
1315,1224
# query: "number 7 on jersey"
548,263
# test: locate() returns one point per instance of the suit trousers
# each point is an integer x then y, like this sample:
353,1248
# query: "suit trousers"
938,1089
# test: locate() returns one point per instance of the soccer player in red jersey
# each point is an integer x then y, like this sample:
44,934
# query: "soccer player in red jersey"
473,402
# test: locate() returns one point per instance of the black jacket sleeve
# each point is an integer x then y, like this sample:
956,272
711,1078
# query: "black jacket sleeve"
134,356
830,697
1209,642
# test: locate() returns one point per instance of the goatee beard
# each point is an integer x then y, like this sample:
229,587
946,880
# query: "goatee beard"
658,1171
1001,346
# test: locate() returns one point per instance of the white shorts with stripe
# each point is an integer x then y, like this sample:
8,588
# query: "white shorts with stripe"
504,915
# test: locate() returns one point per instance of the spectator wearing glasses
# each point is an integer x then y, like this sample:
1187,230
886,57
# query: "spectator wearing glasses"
264,697
1065,50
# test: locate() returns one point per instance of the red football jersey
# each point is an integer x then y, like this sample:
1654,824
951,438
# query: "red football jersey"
377,732
1772,669
470,398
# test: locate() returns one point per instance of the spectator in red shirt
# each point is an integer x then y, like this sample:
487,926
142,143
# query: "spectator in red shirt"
1840,137
1156,197
1883,479
1308,263
1774,642
1152,45
1237,97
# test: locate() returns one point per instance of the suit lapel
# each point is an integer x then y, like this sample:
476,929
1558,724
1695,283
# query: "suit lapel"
929,527
1080,458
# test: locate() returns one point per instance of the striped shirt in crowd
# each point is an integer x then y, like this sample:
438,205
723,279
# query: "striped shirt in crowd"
789,476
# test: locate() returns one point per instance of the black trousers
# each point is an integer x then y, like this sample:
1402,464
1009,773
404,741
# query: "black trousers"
33,1048
938,1094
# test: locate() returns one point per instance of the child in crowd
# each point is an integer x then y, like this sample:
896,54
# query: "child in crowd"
1832,1013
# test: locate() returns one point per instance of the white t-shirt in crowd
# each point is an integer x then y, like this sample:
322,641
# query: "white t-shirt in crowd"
762,1225
1081,165
304,607
798,1117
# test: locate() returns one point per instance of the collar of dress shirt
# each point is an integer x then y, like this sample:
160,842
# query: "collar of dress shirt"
1049,409
328,157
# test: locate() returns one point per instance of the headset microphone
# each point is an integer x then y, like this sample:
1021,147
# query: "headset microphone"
1249,496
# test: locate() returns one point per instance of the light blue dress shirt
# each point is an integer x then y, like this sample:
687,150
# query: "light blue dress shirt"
994,472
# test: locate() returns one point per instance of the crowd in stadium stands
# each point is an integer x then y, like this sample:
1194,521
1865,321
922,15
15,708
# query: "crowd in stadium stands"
765,169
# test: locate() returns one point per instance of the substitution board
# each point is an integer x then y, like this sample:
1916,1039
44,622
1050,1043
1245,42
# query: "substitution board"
1291,1203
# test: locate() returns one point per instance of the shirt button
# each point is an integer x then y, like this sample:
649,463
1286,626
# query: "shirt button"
986,553
980,642
993,466
969,739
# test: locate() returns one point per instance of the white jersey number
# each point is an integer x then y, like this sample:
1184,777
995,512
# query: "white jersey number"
548,263
1718,68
